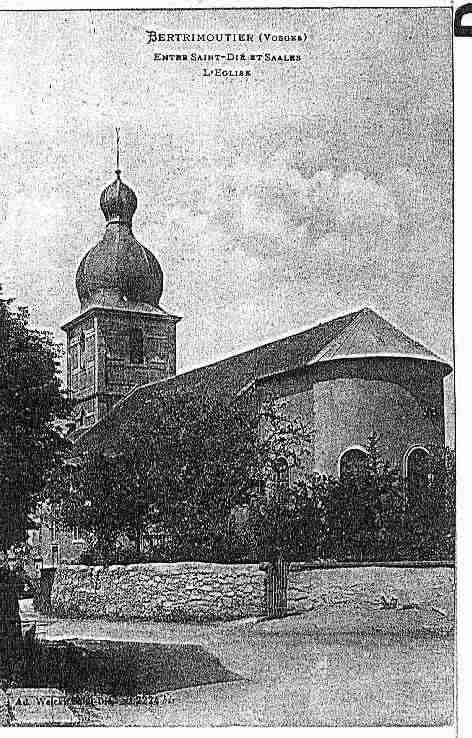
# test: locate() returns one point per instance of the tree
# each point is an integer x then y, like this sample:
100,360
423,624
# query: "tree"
292,525
430,509
374,516
280,515
32,404
110,496
90,495
363,511
200,458
31,446
225,458
201,480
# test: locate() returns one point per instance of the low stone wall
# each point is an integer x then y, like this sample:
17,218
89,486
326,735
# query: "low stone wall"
5,710
202,591
311,587
176,591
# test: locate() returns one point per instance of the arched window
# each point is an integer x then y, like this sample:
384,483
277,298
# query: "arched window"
81,418
53,527
417,468
78,534
136,351
74,358
282,477
82,349
353,464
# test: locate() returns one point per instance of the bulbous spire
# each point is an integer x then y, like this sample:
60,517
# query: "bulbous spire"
119,271
118,201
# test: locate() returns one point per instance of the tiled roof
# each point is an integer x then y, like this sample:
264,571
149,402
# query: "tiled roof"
359,334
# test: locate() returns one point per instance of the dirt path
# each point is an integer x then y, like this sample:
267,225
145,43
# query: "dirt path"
394,668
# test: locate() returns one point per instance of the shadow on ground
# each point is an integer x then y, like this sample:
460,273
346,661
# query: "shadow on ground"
117,668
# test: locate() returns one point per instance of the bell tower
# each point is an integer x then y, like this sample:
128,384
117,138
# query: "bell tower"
122,338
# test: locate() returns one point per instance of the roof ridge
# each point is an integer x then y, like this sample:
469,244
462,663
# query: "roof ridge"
354,315
347,331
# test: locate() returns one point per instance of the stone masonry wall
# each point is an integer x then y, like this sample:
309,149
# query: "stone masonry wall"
176,591
312,588
203,591
5,710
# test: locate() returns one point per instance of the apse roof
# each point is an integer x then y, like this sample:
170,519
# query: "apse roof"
368,334
361,334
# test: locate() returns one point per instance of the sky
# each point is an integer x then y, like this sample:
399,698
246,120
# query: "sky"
273,202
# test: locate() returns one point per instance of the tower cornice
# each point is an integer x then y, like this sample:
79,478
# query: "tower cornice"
156,314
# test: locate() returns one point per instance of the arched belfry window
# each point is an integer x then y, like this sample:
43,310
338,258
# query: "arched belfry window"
82,349
136,346
353,464
282,476
416,467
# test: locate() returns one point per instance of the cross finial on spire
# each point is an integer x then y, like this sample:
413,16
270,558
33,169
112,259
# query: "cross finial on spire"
118,170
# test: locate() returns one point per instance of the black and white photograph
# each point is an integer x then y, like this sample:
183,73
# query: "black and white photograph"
227,400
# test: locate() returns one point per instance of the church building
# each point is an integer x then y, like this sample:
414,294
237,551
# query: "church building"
347,377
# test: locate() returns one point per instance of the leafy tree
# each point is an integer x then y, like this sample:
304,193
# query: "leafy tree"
292,525
230,456
182,477
91,496
368,515
32,443
201,482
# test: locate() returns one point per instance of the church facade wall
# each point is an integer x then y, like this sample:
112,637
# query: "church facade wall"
345,401
82,369
347,411
117,373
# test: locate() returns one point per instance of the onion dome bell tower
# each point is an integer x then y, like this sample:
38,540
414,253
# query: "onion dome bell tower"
122,338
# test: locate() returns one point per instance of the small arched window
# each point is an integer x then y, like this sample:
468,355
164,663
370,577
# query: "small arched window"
282,476
81,417
136,349
417,468
353,465
82,347
53,527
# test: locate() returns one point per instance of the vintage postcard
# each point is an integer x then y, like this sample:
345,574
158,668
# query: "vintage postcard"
227,414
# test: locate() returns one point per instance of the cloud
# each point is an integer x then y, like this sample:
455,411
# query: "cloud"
420,199
363,204
281,234
277,209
